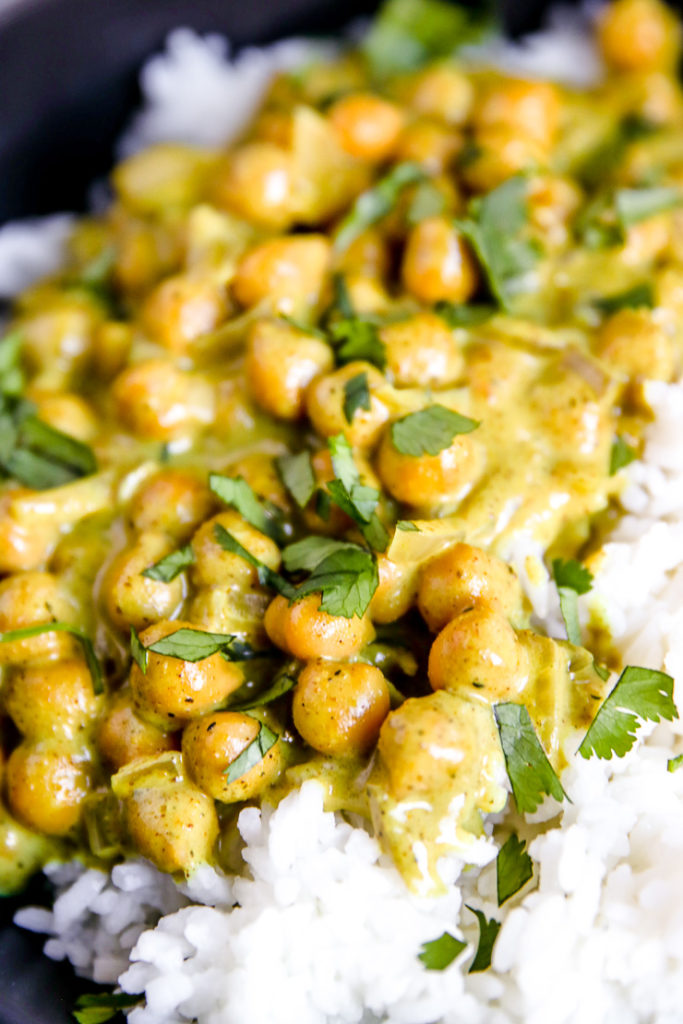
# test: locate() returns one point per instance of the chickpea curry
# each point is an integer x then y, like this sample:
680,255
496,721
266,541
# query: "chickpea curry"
270,441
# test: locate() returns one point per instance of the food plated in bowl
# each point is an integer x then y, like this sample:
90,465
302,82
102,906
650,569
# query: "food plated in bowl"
339,544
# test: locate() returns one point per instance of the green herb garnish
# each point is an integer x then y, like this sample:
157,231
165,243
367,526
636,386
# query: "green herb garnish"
253,754
529,770
62,627
429,431
674,763
571,579
167,568
353,497
462,315
193,645
11,374
262,515
638,297
97,1008
346,578
296,473
440,953
268,577
376,202
514,868
635,204
36,454
283,683
621,454
356,395
357,338
488,933
640,694
407,526
138,650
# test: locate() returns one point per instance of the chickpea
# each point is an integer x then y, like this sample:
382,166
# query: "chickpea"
159,402
71,414
367,255
367,294
430,144
211,744
51,699
529,110
427,481
32,599
367,125
213,565
396,591
182,309
145,252
478,652
57,341
422,352
639,35
258,469
23,545
122,736
257,182
172,691
230,609
304,631
46,785
290,272
634,343
175,827
162,176
174,501
464,577
281,363
552,203
132,599
437,264
113,341
444,93
499,153
325,406
338,709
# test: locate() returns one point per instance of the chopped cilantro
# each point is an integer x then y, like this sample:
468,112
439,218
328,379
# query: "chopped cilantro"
674,763
283,683
494,228
138,650
440,953
571,579
514,868
606,219
296,473
529,770
166,569
236,492
636,204
97,1008
36,454
406,526
621,454
488,933
356,395
427,201
267,576
640,694
11,374
356,499
429,431
376,202
86,643
304,555
462,315
356,338
252,754
300,325
188,644
639,296
346,578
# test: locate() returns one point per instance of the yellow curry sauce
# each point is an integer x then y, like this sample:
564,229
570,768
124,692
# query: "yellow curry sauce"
323,383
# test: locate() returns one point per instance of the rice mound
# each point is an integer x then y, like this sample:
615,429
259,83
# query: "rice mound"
323,930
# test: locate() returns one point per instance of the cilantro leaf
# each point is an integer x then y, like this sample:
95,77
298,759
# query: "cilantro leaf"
296,473
427,201
36,454
86,643
268,577
357,338
640,694
408,33
376,202
639,296
299,325
440,953
342,299
167,568
346,579
236,492
674,763
138,650
606,219
488,933
283,683
407,526
494,229
356,395
11,374
353,497
188,644
635,204
571,579
621,454
429,431
529,770
252,754
97,1008
463,316
514,868
304,555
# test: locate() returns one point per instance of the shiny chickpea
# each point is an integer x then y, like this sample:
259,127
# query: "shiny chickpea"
527,109
422,352
32,599
437,264
281,363
172,691
159,402
368,126
427,481
639,35
325,405
432,145
46,785
173,501
444,93
51,699
257,182
132,599
635,344
213,743
23,545
290,272
464,577
396,591
122,736
304,631
182,309
338,708
71,414
214,565
176,827
478,653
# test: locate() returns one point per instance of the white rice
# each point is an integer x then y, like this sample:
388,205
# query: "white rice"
323,930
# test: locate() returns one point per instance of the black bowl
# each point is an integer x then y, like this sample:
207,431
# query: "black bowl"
68,81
